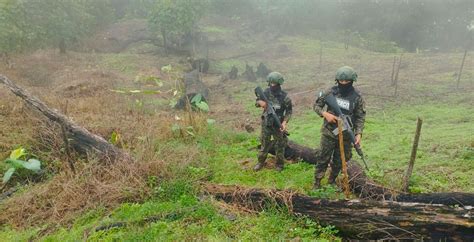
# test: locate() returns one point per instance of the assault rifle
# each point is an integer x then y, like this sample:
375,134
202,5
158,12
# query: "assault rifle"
332,103
270,109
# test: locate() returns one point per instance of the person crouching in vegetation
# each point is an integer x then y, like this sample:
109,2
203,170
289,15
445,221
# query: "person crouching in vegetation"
351,103
270,128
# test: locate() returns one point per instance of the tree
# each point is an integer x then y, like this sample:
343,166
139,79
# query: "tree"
14,34
59,22
175,18
31,24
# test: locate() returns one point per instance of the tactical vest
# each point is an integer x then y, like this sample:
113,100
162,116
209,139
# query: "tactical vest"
346,103
278,102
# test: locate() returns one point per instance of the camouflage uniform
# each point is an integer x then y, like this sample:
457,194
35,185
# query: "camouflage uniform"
351,104
283,108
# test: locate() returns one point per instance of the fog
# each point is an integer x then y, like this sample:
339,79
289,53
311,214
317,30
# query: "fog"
413,25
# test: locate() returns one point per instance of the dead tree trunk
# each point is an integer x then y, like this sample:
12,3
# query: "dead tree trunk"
81,139
357,219
366,188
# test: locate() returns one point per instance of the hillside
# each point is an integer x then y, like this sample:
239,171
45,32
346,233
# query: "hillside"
125,94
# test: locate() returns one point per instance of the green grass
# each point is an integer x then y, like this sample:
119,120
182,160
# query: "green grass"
178,214
224,66
125,63
225,156
444,158
212,29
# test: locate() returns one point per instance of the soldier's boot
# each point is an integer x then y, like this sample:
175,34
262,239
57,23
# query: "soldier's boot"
332,178
259,166
279,166
317,184
317,179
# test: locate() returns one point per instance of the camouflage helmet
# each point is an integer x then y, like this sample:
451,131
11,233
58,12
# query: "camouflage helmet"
275,77
346,73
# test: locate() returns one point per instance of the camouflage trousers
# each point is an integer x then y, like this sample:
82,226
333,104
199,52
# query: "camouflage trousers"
330,151
279,140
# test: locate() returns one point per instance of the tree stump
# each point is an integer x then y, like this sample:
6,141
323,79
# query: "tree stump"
262,71
249,74
233,74
192,87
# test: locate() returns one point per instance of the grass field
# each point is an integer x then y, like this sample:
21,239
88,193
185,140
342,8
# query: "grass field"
191,150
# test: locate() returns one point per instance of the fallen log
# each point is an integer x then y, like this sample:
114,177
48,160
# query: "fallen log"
366,188
81,139
361,219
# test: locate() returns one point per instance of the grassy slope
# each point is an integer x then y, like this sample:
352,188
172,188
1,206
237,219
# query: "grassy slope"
444,161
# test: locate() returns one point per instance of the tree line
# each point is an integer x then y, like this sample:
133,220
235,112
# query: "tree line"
409,24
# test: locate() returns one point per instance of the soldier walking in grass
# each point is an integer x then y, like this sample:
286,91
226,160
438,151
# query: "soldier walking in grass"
352,104
270,128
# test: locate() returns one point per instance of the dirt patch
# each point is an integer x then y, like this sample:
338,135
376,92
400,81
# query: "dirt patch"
118,36
87,84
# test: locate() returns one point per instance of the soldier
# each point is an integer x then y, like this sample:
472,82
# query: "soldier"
351,103
283,108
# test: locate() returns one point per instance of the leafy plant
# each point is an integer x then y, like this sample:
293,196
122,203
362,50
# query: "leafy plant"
175,18
115,138
187,131
198,102
15,164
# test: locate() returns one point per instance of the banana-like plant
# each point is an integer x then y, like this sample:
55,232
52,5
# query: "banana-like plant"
16,164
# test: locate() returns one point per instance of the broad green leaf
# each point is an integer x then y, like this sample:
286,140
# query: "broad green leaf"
203,106
151,91
8,175
18,153
17,164
159,82
33,165
211,121
114,138
197,98
139,103
190,130
173,103
175,127
166,68
118,91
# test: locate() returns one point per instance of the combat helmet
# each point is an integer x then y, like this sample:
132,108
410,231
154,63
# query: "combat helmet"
346,73
275,77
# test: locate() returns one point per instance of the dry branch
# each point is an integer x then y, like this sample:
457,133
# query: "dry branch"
81,139
361,219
